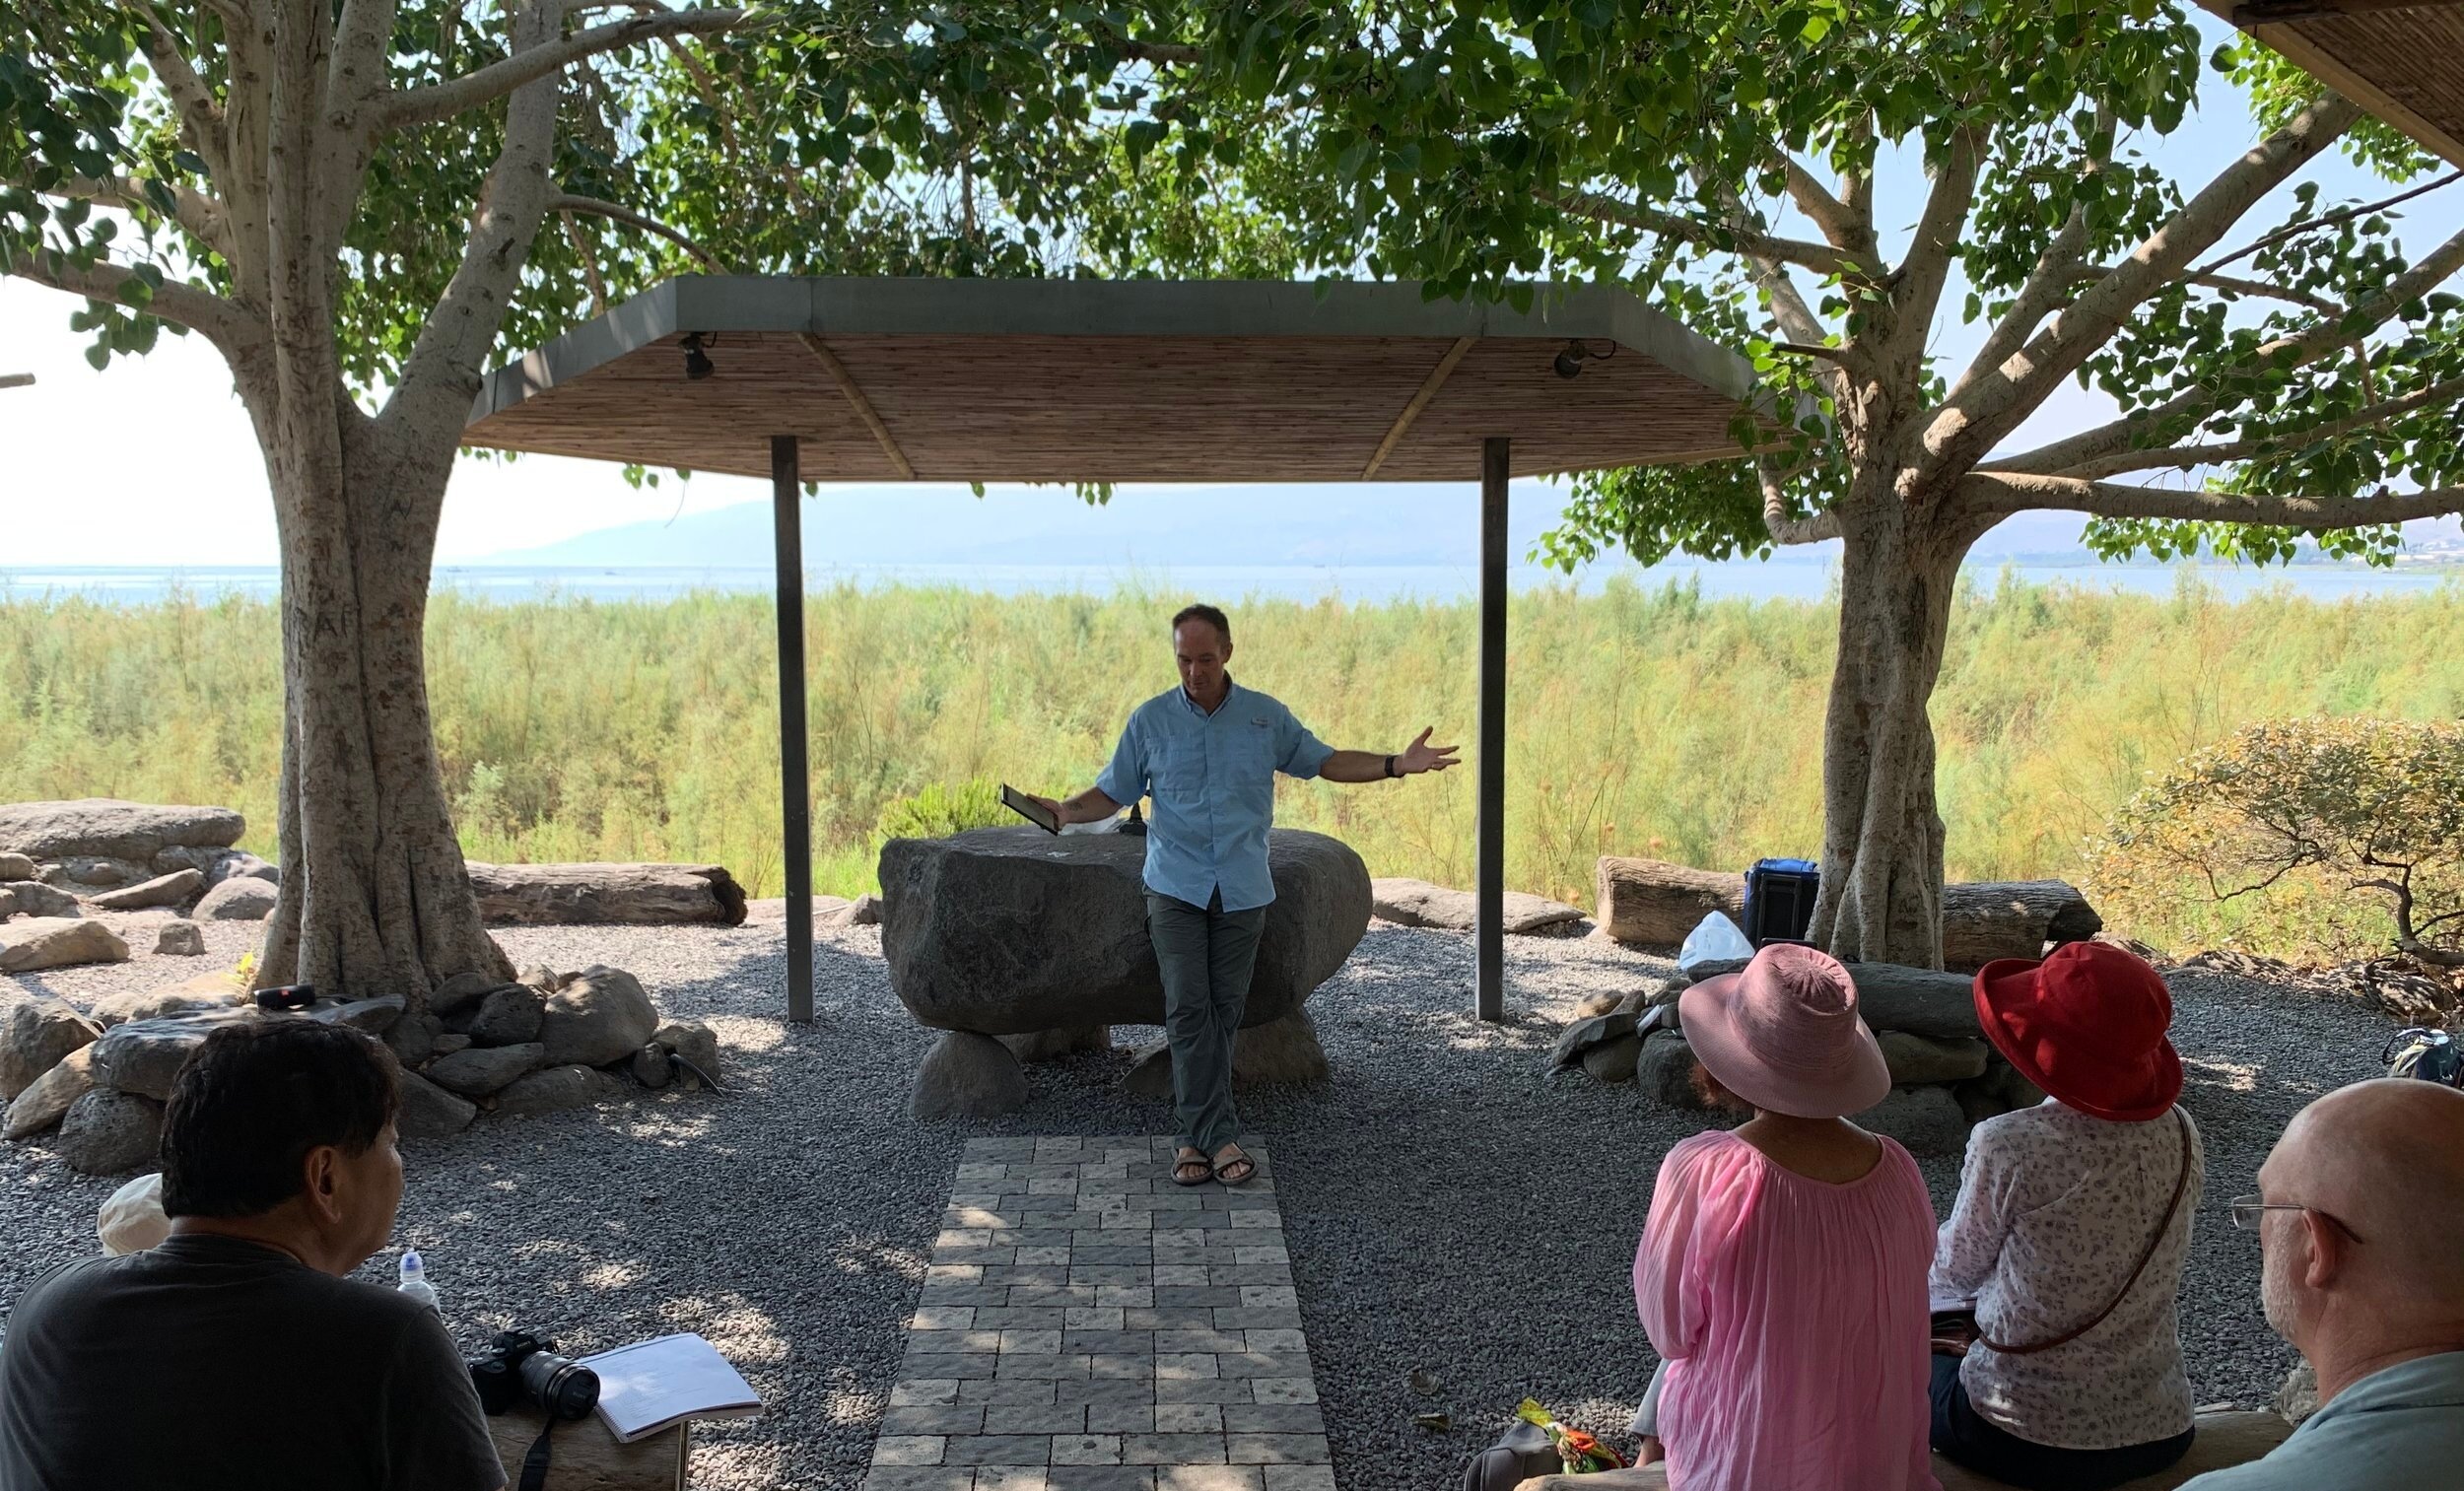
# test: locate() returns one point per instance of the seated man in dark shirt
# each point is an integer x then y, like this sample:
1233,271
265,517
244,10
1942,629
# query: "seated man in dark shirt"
237,1353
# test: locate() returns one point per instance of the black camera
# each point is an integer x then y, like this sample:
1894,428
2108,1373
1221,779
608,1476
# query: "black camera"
520,1367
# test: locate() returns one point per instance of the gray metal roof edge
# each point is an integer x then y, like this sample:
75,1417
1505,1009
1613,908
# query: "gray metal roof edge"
723,303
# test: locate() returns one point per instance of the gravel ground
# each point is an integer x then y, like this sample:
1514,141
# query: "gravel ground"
1449,1203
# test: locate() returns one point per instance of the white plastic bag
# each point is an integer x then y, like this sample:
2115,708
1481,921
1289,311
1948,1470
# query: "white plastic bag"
1714,939
132,1220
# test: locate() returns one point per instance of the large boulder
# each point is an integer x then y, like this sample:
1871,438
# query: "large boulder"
33,898
162,889
242,898
142,1056
1920,1001
1927,1121
1916,1060
484,1069
215,864
36,1032
694,1041
599,1016
1007,932
42,1105
205,991
559,1088
1416,903
107,828
429,1111
1281,1052
29,946
180,937
110,1133
968,1076
508,1016
15,866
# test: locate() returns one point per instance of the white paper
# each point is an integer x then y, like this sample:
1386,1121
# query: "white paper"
649,1386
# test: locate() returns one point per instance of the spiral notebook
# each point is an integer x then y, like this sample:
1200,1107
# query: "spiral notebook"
650,1386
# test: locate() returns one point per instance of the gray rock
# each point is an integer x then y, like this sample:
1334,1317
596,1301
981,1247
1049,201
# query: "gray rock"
1926,1120
110,1133
1712,969
29,946
559,1088
414,1037
1053,1044
180,938
15,866
87,873
162,890
32,898
540,977
215,864
1279,1054
508,1016
1605,1002
1615,1060
108,826
484,1069
1008,931
375,1016
1998,1091
650,1066
241,899
1664,1070
8,903
1920,1001
696,1043
429,1111
43,1104
1917,1059
450,1042
206,991
863,911
1416,903
966,1075
461,991
36,1032
600,1017
143,1056
1583,1035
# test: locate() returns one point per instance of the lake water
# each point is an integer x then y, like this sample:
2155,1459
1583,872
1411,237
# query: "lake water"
1779,580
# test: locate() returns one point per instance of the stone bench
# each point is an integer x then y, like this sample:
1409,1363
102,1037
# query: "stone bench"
584,1456
2225,1440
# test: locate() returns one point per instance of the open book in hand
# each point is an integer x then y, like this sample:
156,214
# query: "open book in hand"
649,1386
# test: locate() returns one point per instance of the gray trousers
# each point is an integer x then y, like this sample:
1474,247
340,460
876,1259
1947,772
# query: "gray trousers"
1207,956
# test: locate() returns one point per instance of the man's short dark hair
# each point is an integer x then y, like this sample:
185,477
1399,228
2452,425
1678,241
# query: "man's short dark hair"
1211,615
256,1097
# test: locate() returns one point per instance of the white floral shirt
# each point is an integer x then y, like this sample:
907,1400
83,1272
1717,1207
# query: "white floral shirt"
2054,1208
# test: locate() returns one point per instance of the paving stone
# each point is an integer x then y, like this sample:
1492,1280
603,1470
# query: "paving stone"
1121,1418
1276,1449
1265,1297
1172,1449
1300,1479
1209,1478
1008,1391
1030,1418
1170,1342
1207,1389
1276,1340
1097,1392
1036,1342
1087,1449
919,1478
1259,1364
947,1419
1280,1418
1009,1478
1191,1418
923,1392
942,1363
1252,1318
1123,1366
1100,1478
907,1450
1093,1316
1284,1390
1111,1342
996,1450
1182,1274
1056,1368
1168,1319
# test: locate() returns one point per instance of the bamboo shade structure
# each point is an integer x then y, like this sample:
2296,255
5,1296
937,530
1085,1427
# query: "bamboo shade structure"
2403,60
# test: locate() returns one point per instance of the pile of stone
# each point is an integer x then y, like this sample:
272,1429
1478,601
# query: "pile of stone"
62,861
1944,1076
1026,947
546,1041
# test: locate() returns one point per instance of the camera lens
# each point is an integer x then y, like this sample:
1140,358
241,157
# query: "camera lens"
563,1388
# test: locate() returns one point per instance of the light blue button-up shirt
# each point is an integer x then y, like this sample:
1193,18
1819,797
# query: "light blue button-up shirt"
1213,780
2394,1430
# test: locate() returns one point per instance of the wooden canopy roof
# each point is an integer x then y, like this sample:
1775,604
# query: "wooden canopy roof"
1046,380
2403,60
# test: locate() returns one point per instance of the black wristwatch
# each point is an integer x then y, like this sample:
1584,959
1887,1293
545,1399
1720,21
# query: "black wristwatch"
1389,766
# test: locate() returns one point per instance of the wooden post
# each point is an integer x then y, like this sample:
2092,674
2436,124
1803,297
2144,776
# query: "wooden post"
796,801
1489,987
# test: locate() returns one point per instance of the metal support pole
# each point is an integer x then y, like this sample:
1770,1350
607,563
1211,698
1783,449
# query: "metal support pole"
795,799
1490,940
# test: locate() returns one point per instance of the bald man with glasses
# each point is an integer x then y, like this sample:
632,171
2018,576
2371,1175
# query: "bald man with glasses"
2360,1219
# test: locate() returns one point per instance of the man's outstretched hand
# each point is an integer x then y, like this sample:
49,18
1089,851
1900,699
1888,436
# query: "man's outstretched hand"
1420,756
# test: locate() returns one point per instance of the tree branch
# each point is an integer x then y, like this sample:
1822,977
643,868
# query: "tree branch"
1847,230
200,117
2340,215
2190,457
2231,284
2009,491
1821,258
566,202
1162,53
2298,350
402,108
199,216
233,331
2047,287
1786,531
1990,407
1918,283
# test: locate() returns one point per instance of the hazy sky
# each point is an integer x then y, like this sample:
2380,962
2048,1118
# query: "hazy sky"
153,462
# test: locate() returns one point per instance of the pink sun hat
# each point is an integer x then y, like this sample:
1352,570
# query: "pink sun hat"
1784,1034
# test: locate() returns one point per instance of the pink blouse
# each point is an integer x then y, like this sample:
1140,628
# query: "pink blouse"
1792,1314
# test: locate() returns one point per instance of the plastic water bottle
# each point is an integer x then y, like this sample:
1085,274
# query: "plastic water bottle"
415,1281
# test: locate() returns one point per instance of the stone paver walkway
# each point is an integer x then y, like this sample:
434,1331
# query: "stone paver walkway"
1088,1325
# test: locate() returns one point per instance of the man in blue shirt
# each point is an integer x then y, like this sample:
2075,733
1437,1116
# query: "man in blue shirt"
1207,753
2361,1221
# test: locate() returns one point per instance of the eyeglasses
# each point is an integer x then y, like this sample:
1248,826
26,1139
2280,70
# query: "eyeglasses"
2246,1211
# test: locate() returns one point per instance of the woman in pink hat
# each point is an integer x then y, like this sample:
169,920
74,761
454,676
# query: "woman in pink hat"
1782,1273
2069,1234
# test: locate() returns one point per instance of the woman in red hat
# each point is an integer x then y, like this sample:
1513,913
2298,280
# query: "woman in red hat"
2069,1234
1782,1273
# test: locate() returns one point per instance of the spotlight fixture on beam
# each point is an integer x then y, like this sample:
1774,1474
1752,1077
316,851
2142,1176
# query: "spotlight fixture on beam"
697,363
1570,361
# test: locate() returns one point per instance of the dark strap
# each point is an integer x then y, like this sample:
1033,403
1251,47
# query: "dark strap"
2181,1182
535,1464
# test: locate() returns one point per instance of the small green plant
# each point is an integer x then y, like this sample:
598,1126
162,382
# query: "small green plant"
940,810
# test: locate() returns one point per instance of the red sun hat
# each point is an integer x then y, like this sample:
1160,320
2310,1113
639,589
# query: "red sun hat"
2087,1024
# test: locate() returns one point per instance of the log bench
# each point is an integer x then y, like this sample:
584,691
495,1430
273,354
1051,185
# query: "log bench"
2223,1440
585,1456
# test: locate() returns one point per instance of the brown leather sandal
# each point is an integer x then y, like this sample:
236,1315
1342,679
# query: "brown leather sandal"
1236,1171
1181,1170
